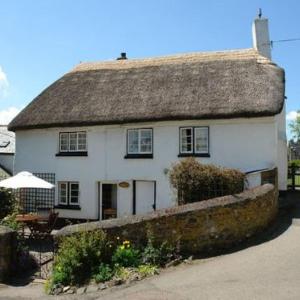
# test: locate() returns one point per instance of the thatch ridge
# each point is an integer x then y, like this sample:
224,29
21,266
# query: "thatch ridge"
209,85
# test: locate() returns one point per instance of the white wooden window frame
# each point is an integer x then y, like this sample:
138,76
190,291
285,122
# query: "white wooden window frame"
68,197
139,130
203,129
59,192
70,193
181,142
68,134
193,129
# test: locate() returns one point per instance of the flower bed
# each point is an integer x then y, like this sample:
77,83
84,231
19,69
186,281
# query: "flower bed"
89,257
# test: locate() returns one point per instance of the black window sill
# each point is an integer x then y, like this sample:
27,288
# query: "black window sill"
194,155
73,207
75,153
138,156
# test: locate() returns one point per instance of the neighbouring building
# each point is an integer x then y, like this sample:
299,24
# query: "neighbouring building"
7,152
106,133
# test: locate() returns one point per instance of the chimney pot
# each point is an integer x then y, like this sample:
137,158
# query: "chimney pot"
123,56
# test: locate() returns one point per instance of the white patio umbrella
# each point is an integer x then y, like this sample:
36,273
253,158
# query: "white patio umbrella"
25,180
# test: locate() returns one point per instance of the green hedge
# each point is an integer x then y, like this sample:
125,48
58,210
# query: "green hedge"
195,181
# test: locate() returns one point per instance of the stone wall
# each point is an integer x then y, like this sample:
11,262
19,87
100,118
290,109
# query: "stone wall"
201,226
7,251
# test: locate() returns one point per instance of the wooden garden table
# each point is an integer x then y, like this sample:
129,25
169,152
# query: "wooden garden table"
26,219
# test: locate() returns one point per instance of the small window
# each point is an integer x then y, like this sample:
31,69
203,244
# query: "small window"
64,142
186,140
201,140
194,141
68,193
72,141
139,141
74,193
63,193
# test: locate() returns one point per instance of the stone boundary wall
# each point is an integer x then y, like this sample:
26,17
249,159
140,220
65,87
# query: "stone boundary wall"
200,227
7,251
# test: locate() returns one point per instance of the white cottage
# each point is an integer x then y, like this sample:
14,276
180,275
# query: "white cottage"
106,133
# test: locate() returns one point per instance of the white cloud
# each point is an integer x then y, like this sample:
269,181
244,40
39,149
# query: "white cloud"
6,115
3,83
292,115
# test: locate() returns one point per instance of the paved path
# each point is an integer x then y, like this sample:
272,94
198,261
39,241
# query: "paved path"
270,270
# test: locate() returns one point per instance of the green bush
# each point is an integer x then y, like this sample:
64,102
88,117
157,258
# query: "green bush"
295,162
126,255
195,181
157,254
7,203
79,256
104,273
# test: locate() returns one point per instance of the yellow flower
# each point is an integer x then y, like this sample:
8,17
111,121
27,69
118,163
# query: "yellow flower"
122,247
126,242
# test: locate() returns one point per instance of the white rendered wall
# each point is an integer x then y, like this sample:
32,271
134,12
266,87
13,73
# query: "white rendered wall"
246,144
282,152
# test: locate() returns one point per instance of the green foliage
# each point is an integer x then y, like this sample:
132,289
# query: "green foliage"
10,221
295,162
126,255
88,255
295,127
7,203
104,273
195,181
78,257
147,270
159,254
123,273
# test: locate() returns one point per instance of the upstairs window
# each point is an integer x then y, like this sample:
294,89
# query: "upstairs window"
73,141
194,141
140,143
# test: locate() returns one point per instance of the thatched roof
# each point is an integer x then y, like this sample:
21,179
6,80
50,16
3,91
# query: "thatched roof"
210,85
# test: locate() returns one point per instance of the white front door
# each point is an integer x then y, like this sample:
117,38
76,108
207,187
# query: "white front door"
144,196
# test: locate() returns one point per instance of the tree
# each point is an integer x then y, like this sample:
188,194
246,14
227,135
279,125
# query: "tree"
295,127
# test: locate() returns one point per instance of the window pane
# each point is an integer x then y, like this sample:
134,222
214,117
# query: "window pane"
186,140
73,141
64,141
133,141
63,193
146,141
74,193
81,141
201,140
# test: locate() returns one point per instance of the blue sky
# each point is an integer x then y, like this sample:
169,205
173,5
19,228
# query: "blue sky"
42,40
